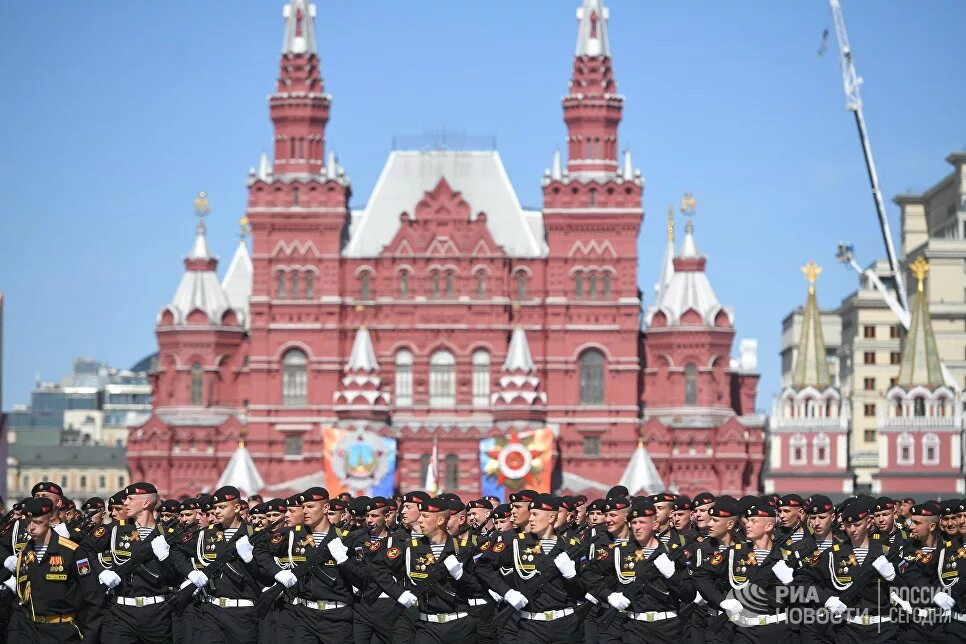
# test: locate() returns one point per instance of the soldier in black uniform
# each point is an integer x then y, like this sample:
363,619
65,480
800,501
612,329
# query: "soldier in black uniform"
666,532
546,589
115,506
886,522
137,610
949,519
227,615
951,571
54,584
168,511
919,570
432,573
615,511
723,519
320,605
819,511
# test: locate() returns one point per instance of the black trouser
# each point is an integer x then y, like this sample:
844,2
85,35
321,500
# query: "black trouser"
955,632
183,624
765,634
274,628
137,625
847,633
566,630
624,629
333,626
219,625
482,616
404,630
590,613
375,621
6,606
26,631
461,631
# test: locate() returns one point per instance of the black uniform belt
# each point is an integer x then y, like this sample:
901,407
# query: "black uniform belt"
52,619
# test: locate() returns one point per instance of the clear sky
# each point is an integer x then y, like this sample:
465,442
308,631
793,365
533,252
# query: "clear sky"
114,115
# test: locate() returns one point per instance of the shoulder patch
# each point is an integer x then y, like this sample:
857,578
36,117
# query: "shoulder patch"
67,543
392,553
485,546
83,567
602,554
187,537
98,533
716,559
277,538
499,547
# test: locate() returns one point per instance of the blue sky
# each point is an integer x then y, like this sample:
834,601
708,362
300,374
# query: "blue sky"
114,115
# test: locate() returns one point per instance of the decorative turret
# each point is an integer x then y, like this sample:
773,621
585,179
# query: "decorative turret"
667,266
811,367
361,395
518,395
237,283
920,364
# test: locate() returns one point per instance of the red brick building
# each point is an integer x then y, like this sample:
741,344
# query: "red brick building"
445,313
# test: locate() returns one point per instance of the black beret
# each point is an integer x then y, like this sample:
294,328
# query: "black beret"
37,507
455,502
170,505
337,505
501,511
725,508
819,503
618,490
275,505
597,505
546,502
190,504
117,498
259,508
486,504
703,498
391,503
683,503
616,503
883,503
568,502
909,499
358,506
769,499
761,510
950,506
18,506
226,493
314,494
746,502
140,488
926,509
70,505
856,510
205,502
580,500
435,504
47,486
93,503
663,497
791,501
293,501
523,496
416,496
377,503
641,507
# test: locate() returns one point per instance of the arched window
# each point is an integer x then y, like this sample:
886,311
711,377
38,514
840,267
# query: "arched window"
690,384
796,448
434,284
821,448
930,449
364,280
280,285
607,285
578,285
521,285
295,284
309,285
481,378
442,379
481,284
294,378
423,468
919,406
451,476
450,285
905,449
404,284
83,482
592,197
404,378
197,384
591,368
592,286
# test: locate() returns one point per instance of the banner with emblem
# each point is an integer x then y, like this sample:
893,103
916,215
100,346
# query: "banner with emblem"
358,461
517,461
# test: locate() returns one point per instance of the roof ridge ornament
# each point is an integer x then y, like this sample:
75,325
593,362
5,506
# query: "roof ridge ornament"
920,268
811,271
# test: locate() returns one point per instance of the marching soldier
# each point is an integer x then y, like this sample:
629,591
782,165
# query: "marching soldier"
664,505
949,519
53,582
723,518
885,522
919,569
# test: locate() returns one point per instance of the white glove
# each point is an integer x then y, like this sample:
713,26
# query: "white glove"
244,549
565,565
10,584
516,599
407,599
496,597
454,567
784,573
618,601
664,565
109,578
944,601
338,551
593,600
731,606
198,578
835,606
10,563
62,530
884,567
286,577
160,547
699,600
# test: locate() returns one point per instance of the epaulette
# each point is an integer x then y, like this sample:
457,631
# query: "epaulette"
789,542
121,522
675,545
67,543
297,528
877,536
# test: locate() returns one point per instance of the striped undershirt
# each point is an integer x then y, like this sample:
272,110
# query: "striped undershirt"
665,538
761,554
144,532
797,536
620,542
722,547
230,533
317,537
437,549
860,554
546,545
649,550
824,545
41,551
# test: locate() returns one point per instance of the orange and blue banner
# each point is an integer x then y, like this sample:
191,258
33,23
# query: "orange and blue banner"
517,461
358,461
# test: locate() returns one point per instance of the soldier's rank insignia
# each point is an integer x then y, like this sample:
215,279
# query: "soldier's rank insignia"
278,538
392,553
716,559
499,547
602,554
485,546
100,532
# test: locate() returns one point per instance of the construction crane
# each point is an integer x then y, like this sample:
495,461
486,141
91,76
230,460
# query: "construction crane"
853,102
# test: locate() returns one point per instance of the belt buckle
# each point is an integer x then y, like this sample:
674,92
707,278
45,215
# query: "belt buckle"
762,620
222,602
866,620
548,615
442,618
649,616
139,601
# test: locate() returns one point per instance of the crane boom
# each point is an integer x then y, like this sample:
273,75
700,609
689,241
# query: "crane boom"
853,102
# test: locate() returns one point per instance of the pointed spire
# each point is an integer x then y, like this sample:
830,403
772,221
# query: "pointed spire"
264,168
689,205
556,173
667,266
331,167
200,250
920,358
628,166
641,476
518,356
299,28
237,283
811,366
241,472
363,356
592,29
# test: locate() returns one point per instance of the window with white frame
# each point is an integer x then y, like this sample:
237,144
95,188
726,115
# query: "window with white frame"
821,450
404,378
796,450
294,378
442,379
930,449
905,449
590,366
481,378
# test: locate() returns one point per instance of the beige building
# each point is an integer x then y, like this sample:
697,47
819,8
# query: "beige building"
82,471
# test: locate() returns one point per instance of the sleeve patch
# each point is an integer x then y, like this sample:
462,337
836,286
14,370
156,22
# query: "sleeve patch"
602,554
716,559
499,547
278,538
100,532
83,567
392,553
485,546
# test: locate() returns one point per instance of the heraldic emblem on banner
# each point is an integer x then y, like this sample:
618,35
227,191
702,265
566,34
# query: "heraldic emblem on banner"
358,461
517,461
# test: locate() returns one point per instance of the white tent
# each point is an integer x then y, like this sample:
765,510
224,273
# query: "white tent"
641,477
